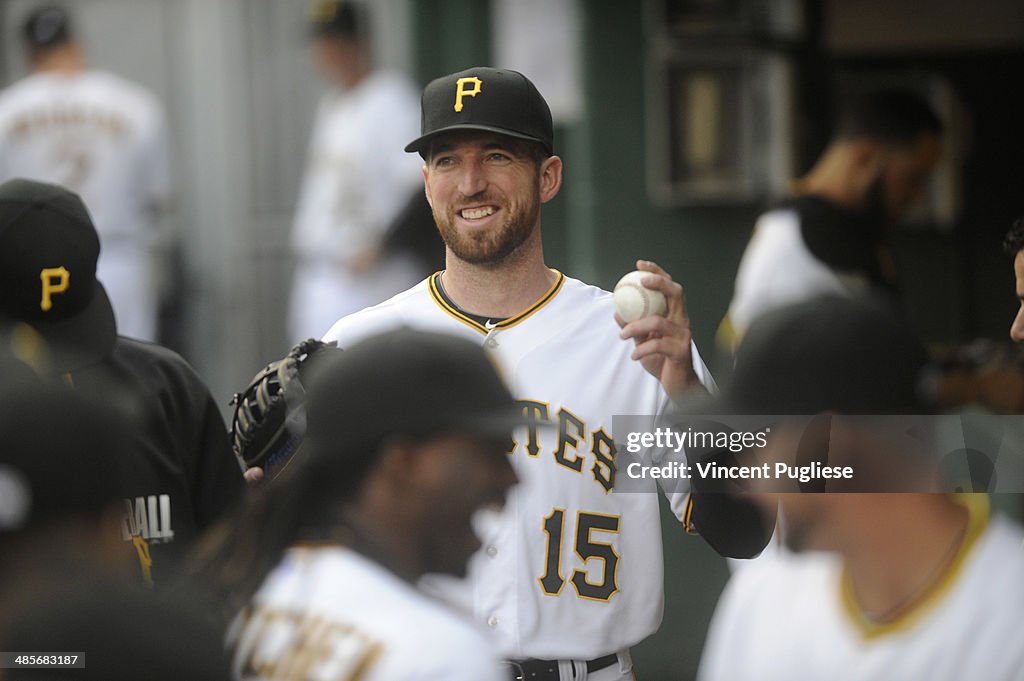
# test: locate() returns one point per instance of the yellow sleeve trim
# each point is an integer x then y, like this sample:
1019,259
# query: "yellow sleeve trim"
688,515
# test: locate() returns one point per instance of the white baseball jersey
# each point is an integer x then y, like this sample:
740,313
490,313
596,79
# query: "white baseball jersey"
805,248
778,270
790,616
104,138
327,613
569,570
357,180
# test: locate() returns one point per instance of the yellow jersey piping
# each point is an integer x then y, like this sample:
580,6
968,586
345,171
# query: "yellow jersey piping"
454,312
977,506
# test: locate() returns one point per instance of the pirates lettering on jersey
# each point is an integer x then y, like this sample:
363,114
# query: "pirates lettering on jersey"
535,413
285,645
574,440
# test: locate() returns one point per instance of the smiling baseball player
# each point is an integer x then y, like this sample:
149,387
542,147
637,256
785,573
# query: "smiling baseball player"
570,574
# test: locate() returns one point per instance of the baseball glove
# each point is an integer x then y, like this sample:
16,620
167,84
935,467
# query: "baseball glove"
270,415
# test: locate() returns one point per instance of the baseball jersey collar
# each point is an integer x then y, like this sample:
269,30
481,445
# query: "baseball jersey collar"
483,325
978,516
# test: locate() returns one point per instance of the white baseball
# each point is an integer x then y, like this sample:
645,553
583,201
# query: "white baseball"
633,300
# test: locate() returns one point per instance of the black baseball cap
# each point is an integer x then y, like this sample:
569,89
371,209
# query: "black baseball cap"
482,98
46,27
48,253
853,356
335,19
405,383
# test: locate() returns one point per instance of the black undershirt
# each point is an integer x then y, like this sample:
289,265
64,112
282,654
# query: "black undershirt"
486,321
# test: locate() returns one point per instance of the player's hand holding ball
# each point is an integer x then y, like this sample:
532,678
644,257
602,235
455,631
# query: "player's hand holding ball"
651,309
633,300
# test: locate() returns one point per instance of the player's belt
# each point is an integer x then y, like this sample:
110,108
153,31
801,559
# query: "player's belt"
547,670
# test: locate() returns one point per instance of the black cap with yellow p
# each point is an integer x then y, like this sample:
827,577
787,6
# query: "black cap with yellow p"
485,99
48,253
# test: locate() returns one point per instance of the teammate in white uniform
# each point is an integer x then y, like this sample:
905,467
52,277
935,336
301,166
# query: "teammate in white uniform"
967,625
570,575
878,585
363,621
831,237
356,182
104,138
405,444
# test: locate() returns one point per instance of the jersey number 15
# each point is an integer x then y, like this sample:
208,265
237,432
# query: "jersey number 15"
587,549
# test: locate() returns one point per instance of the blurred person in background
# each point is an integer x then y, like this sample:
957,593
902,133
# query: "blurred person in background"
873,585
105,138
831,236
357,178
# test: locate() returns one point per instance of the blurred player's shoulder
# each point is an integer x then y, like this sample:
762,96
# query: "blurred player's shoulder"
159,368
999,560
751,605
768,577
141,352
395,84
402,309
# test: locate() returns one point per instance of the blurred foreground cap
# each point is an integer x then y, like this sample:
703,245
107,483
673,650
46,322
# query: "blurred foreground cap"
405,383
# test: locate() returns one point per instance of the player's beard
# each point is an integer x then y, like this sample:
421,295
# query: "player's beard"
489,247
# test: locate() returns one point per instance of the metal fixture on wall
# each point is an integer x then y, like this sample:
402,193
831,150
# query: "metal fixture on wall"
720,83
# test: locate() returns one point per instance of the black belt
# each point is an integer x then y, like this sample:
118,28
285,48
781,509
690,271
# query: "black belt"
547,670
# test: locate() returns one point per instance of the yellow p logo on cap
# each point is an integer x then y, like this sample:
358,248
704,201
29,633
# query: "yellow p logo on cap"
55,280
461,91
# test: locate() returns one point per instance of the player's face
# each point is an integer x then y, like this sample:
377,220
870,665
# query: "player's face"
486,190
905,175
1017,328
337,58
464,474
